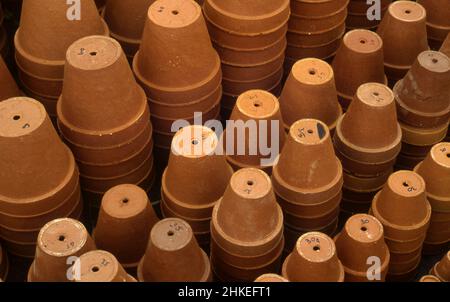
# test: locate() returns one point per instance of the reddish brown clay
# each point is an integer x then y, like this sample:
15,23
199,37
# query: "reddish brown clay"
438,19
442,268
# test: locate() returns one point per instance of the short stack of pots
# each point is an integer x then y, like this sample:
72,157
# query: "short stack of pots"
315,29
104,118
250,37
58,241
360,245
194,180
124,222
258,110
173,255
126,20
359,60
181,75
4,264
442,268
247,229
435,170
402,27
359,12
3,35
367,140
8,86
38,175
40,50
100,266
438,21
403,209
423,106
310,92
308,187
313,259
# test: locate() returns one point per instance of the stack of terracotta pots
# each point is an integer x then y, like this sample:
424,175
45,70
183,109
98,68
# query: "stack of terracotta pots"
271,278
250,37
359,12
435,170
173,255
438,21
423,103
313,259
402,27
442,268
247,229
308,187
194,180
103,116
58,241
359,60
310,92
124,222
403,209
367,140
126,20
362,238
3,35
181,73
41,50
8,86
38,175
100,266
315,29
255,124
4,264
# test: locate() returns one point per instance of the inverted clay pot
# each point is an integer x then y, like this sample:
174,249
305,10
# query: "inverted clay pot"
402,207
173,255
8,86
310,92
271,278
359,60
423,98
361,238
403,27
58,240
99,266
125,219
313,259
372,111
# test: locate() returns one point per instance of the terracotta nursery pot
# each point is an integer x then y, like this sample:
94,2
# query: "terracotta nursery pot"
57,241
361,238
442,268
124,223
173,255
313,259
8,85
310,92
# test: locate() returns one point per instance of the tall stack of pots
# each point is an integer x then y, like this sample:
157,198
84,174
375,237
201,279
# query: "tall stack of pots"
423,106
308,181
104,118
181,73
365,14
315,29
435,170
250,37
403,209
438,21
41,50
367,140
38,175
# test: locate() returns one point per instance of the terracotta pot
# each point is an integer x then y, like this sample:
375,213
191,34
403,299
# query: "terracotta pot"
362,49
249,194
317,23
425,104
51,88
124,223
372,111
445,48
40,50
198,225
271,278
310,92
403,27
402,207
173,255
317,8
100,266
249,17
58,240
442,268
8,86
314,39
429,278
260,110
313,259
